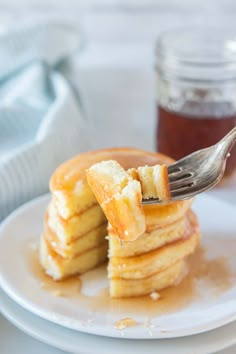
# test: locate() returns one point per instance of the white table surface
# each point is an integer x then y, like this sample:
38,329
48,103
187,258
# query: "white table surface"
117,83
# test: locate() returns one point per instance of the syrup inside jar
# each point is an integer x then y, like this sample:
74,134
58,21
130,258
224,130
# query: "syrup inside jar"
196,91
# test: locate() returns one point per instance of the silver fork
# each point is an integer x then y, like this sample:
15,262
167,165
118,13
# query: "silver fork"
198,171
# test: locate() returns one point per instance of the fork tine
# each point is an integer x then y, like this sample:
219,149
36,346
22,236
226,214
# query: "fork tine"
182,183
179,176
183,192
178,165
174,168
151,201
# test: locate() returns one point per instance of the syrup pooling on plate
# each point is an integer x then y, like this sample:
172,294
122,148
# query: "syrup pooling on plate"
215,274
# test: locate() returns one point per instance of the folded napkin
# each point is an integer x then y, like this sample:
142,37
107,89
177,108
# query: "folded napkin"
41,120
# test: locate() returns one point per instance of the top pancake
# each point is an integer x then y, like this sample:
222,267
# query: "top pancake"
72,194
69,173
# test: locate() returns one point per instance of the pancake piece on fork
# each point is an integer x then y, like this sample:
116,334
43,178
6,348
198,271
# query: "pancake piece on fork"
120,197
154,181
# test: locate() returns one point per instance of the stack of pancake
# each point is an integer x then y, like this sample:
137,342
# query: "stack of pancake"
74,241
156,259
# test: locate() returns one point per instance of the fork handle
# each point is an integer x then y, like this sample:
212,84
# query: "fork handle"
228,141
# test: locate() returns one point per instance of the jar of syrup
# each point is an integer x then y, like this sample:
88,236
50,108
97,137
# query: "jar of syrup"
196,71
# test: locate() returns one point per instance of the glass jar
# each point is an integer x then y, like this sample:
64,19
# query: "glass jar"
196,82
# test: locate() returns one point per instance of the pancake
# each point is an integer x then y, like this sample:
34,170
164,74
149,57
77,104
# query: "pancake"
60,268
119,196
141,266
154,270
74,201
147,241
90,239
68,175
68,184
160,215
121,288
154,181
70,229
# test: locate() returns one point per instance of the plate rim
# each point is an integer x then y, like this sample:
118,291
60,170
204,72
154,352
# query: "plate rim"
22,324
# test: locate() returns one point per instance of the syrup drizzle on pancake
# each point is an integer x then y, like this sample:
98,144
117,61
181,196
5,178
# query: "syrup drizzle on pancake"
212,277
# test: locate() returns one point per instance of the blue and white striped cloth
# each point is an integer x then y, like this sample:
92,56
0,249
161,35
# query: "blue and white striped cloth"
41,120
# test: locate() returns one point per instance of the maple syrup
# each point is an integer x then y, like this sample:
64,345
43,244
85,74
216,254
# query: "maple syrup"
196,90
179,134
215,274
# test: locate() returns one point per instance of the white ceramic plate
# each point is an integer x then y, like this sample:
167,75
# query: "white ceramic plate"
76,342
218,225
